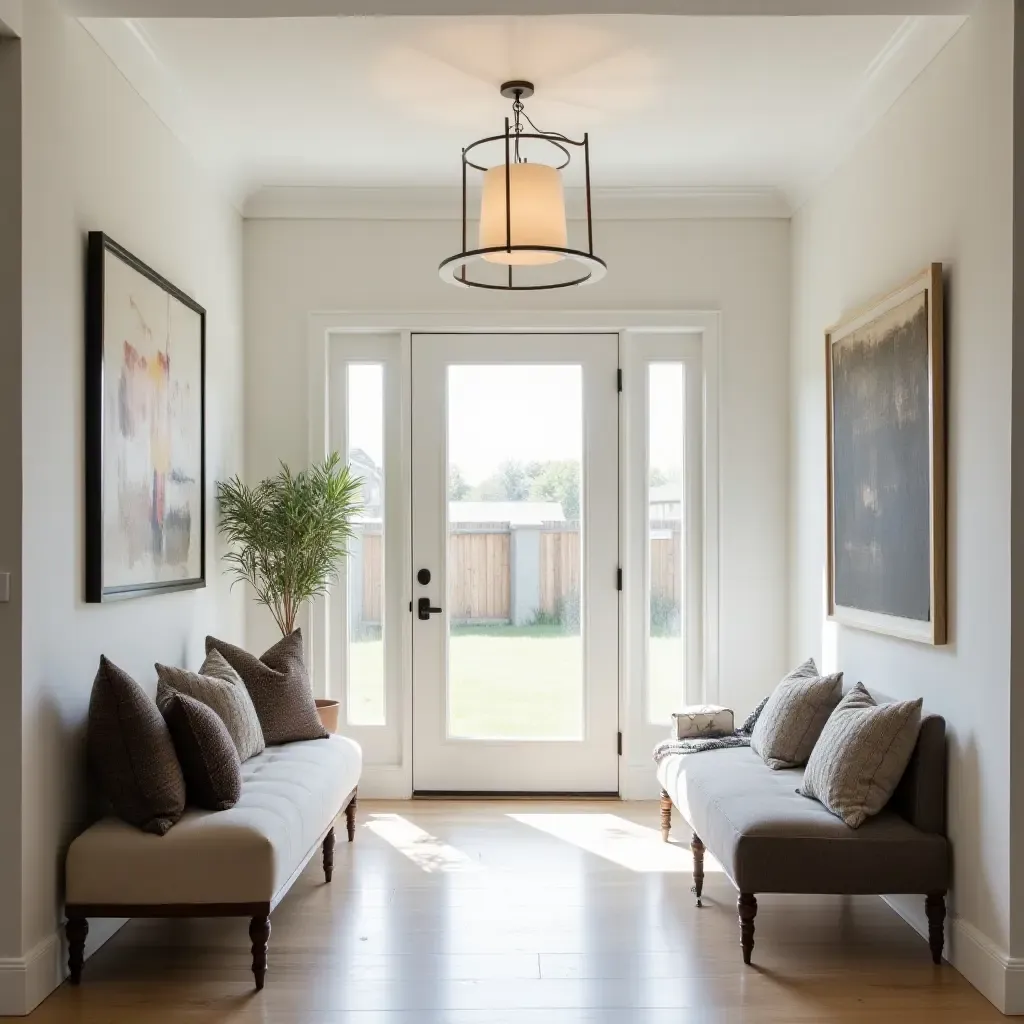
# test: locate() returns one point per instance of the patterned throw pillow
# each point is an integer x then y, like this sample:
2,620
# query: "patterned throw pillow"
279,687
862,754
796,712
703,721
220,688
209,759
131,752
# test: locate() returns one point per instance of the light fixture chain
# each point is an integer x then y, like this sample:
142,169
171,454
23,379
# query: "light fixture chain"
517,109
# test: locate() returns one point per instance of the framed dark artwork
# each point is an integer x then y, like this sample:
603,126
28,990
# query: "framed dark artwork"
887,465
145,443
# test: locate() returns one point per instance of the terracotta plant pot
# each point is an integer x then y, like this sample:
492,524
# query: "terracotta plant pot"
328,712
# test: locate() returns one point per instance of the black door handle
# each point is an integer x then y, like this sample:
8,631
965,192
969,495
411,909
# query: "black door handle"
423,609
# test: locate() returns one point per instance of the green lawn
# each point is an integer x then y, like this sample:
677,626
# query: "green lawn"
514,682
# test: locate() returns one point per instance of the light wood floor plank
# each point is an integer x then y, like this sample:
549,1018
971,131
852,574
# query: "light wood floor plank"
569,911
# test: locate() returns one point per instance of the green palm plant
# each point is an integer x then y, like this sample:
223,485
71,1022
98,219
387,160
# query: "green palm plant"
289,533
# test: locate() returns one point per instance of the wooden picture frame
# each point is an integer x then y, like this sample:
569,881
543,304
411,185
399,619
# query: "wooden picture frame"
145,429
886,464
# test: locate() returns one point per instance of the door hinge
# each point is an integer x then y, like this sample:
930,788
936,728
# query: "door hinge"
618,379
619,745
618,578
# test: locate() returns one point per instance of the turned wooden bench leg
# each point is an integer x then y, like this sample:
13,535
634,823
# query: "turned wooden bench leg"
259,933
746,907
76,929
935,908
666,816
329,855
697,849
350,816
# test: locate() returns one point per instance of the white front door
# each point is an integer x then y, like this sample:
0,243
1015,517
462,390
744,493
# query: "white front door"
515,563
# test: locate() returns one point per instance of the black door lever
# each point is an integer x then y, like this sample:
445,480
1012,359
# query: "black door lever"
423,609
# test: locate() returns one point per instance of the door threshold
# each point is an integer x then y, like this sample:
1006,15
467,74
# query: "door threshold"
509,794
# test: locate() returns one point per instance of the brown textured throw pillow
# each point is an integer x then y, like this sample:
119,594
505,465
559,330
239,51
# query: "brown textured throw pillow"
279,687
862,754
208,756
791,722
131,752
220,688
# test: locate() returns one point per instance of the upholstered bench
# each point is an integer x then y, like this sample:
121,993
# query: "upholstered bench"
239,862
769,838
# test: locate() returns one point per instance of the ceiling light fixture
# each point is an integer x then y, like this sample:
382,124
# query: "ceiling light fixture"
522,211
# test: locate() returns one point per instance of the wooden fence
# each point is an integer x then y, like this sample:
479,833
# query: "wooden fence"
559,567
373,575
480,578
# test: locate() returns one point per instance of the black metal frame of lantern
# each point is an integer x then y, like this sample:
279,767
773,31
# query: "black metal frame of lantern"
454,269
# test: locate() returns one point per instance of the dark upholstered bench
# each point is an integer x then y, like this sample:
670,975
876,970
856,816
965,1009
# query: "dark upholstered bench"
769,838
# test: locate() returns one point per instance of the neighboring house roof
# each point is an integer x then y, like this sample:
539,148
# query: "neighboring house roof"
515,513
363,465
666,492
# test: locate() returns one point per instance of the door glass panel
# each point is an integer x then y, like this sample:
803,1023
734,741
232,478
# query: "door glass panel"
515,649
666,687
366,550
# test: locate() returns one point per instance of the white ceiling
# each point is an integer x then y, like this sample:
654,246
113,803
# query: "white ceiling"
462,8
669,102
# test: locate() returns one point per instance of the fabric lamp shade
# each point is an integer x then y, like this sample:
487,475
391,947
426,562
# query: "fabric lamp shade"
537,209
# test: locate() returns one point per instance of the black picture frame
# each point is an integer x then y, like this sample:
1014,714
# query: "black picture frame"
97,588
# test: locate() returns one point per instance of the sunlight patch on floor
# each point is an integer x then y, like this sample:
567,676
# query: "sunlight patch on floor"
618,840
427,852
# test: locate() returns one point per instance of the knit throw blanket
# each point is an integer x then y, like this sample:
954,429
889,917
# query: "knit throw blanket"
740,738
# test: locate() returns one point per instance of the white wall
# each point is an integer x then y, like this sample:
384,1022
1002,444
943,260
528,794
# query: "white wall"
10,474
737,266
96,157
933,181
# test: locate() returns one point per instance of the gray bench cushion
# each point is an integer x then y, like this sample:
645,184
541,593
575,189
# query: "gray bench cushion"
769,838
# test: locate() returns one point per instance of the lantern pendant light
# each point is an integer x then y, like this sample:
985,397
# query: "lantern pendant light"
522,211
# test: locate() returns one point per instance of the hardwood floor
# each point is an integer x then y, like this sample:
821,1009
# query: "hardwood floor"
517,912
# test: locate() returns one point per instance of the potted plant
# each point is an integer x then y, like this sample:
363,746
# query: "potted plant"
288,536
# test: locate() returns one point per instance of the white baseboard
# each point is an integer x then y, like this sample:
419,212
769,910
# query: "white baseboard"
638,782
996,975
385,782
25,981
393,782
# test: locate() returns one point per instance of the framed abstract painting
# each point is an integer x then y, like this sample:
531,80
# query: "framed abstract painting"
887,464
145,451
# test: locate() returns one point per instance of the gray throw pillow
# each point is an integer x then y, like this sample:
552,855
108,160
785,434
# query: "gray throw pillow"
279,687
794,715
861,755
208,756
131,752
220,688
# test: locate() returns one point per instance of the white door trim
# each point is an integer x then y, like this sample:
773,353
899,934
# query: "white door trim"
636,777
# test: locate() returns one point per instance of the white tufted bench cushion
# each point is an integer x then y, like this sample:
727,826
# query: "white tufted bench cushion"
248,854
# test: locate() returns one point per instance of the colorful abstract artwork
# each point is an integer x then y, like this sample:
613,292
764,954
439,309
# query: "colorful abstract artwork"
145,507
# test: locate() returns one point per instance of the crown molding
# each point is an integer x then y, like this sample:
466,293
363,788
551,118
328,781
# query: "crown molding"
11,18
131,50
439,203
916,42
